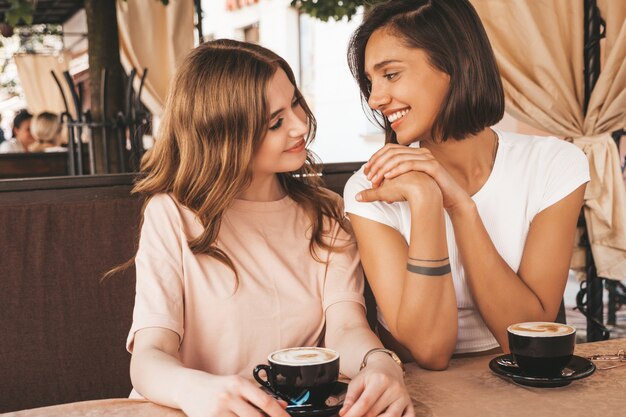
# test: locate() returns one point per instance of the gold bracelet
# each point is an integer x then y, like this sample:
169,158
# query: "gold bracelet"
391,353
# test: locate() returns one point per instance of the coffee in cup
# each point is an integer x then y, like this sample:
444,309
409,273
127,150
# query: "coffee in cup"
542,348
300,375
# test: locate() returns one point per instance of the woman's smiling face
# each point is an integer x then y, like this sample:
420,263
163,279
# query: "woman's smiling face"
405,87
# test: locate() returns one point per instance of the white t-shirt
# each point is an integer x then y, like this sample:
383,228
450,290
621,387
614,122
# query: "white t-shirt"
11,146
530,173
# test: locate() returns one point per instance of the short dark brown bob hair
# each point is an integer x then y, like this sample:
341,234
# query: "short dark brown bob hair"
453,37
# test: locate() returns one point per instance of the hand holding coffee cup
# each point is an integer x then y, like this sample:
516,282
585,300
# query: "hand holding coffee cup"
542,348
301,375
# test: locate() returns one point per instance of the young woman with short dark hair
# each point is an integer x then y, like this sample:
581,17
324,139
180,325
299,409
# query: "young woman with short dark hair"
462,229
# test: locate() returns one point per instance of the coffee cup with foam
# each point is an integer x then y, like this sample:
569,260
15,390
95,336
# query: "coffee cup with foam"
300,375
542,348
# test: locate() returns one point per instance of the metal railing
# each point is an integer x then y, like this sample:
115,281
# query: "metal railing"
126,129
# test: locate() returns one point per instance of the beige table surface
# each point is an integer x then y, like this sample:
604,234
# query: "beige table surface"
466,389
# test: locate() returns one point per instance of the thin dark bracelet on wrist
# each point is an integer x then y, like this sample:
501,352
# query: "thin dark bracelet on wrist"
429,271
429,260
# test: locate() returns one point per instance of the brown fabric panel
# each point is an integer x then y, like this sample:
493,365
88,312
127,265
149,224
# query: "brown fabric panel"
336,182
63,332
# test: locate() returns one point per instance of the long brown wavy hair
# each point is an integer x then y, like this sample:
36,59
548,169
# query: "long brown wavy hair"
215,118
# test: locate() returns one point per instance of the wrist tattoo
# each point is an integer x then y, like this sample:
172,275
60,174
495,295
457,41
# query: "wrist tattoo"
429,271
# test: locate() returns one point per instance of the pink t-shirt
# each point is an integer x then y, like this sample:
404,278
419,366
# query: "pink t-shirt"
283,292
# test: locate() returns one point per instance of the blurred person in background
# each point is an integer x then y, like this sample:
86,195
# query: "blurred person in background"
22,137
47,131
2,138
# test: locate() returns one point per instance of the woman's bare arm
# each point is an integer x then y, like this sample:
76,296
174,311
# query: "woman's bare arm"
534,293
420,310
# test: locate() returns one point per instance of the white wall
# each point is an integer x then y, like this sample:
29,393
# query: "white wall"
334,94
278,25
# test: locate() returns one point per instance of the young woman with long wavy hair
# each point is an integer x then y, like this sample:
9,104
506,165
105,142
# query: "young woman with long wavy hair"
242,251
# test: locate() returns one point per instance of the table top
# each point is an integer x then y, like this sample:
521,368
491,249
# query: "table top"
467,388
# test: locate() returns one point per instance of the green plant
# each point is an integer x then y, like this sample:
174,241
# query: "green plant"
331,9
20,11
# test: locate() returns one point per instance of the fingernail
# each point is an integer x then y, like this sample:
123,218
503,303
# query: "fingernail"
375,178
359,197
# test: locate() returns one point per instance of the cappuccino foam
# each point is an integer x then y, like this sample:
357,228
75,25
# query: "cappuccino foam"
541,329
303,356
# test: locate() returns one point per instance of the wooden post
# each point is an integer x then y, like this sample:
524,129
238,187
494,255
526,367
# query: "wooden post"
104,53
